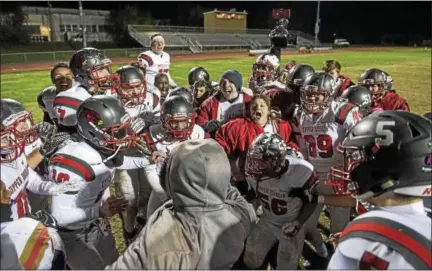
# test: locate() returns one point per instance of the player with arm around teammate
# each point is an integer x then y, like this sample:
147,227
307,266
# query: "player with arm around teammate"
322,123
388,163
105,131
281,181
92,71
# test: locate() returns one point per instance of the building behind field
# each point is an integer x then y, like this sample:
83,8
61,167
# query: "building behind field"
225,21
63,24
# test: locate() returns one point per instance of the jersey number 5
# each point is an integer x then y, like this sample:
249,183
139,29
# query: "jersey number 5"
324,144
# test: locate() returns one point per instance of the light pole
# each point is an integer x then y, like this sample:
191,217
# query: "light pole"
83,26
50,22
317,23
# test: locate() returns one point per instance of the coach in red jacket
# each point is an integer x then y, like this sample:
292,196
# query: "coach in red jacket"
237,135
227,104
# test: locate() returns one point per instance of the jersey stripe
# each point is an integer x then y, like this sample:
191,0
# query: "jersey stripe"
343,113
74,164
147,58
155,100
149,140
35,247
398,233
69,102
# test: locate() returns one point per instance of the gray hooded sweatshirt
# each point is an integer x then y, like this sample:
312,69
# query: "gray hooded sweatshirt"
205,224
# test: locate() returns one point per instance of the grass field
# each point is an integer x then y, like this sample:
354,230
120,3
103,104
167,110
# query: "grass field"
410,70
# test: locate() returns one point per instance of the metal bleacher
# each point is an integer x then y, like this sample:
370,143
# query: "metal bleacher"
196,39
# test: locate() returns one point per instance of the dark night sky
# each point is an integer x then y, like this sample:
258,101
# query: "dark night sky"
360,22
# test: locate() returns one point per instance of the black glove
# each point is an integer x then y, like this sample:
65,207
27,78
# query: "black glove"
45,130
212,126
53,143
44,217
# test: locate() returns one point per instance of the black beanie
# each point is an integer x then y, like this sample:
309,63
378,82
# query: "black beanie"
234,77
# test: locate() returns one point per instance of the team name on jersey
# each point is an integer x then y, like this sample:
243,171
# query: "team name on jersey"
19,181
272,193
316,129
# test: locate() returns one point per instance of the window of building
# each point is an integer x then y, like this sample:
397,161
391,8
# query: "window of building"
62,28
75,28
88,28
101,28
68,27
94,29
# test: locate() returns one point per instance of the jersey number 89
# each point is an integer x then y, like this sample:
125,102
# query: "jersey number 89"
324,143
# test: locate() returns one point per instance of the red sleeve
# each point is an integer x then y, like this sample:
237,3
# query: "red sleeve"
205,111
247,98
346,84
228,134
285,132
392,101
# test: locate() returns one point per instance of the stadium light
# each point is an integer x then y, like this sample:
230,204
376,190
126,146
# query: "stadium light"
83,26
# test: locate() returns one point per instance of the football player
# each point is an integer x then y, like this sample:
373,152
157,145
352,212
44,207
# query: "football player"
162,84
227,104
361,97
322,123
156,61
178,124
92,72
333,67
380,85
63,79
388,163
31,244
142,100
105,132
284,99
281,183
16,175
265,72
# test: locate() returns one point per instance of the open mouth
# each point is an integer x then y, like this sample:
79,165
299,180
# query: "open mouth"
258,114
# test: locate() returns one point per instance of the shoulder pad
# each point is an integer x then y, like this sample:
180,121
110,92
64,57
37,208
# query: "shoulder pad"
343,112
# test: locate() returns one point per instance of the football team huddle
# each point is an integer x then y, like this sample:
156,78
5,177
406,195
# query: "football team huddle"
301,169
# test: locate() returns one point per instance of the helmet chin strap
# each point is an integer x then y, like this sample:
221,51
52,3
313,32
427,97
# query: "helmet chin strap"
112,156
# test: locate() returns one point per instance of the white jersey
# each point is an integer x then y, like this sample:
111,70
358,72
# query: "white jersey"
278,207
158,140
79,163
355,252
154,64
67,102
46,101
30,245
320,135
17,176
149,110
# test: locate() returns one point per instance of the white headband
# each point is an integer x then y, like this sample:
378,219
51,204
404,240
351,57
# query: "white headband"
157,38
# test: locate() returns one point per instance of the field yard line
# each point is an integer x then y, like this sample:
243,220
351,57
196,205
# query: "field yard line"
24,67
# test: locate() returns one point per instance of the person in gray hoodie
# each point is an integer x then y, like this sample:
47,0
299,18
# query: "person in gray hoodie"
206,223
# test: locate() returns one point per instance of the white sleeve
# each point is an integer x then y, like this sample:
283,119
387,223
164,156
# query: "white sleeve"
130,162
154,181
39,185
143,60
339,261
